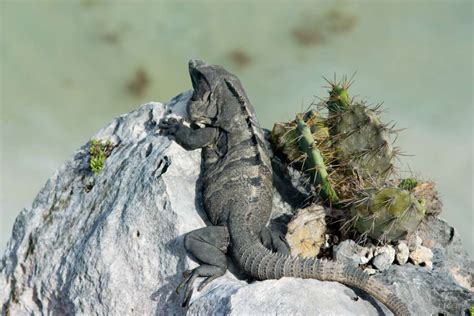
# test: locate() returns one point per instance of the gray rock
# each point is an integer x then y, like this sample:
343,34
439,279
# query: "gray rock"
107,243
111,243
384,257
447,288
287,296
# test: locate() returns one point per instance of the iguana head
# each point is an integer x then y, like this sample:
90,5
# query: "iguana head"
212,103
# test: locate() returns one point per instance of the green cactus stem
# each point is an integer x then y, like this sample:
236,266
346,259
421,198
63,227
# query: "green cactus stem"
339,99
314,163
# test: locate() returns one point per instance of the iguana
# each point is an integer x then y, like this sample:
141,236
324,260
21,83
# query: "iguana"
237,193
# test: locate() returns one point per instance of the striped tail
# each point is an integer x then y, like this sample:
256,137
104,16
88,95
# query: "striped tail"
262,264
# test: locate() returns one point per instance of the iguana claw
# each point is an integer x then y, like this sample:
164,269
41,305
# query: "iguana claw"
189,277
169,126
210,272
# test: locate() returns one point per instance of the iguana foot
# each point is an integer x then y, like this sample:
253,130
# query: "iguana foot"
169,126
274,241
190,276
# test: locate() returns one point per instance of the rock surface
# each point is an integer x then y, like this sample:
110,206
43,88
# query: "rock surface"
111,243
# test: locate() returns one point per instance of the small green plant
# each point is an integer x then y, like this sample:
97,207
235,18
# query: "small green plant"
408,184
471,310
99,151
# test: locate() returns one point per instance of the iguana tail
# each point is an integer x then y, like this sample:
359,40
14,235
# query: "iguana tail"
262,264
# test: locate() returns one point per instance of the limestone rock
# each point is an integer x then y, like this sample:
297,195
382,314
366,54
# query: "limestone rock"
429,243
112,243
414,241
402,253
370,271
384,257
421,255
436,291
350,252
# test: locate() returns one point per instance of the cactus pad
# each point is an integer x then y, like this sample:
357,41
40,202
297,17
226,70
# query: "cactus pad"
362,144
388,213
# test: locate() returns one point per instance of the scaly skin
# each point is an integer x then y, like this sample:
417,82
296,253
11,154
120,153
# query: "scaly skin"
237,192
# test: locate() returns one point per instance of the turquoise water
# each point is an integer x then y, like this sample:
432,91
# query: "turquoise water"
67,68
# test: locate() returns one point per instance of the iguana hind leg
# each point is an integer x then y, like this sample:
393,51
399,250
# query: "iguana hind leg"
209,246
275,241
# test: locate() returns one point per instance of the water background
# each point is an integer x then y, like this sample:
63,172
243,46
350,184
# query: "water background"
69,67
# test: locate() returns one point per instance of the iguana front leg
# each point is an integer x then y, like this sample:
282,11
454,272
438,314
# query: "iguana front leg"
189,138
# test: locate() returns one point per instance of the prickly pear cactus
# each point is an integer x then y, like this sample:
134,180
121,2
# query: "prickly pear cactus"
363,144
348,156
354,146
285,136
388,214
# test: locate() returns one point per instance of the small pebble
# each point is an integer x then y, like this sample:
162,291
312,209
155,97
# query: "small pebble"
429,265
402,253
363,260
421,255
370,271
414,242
349,252
366,254
369,251
383,258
